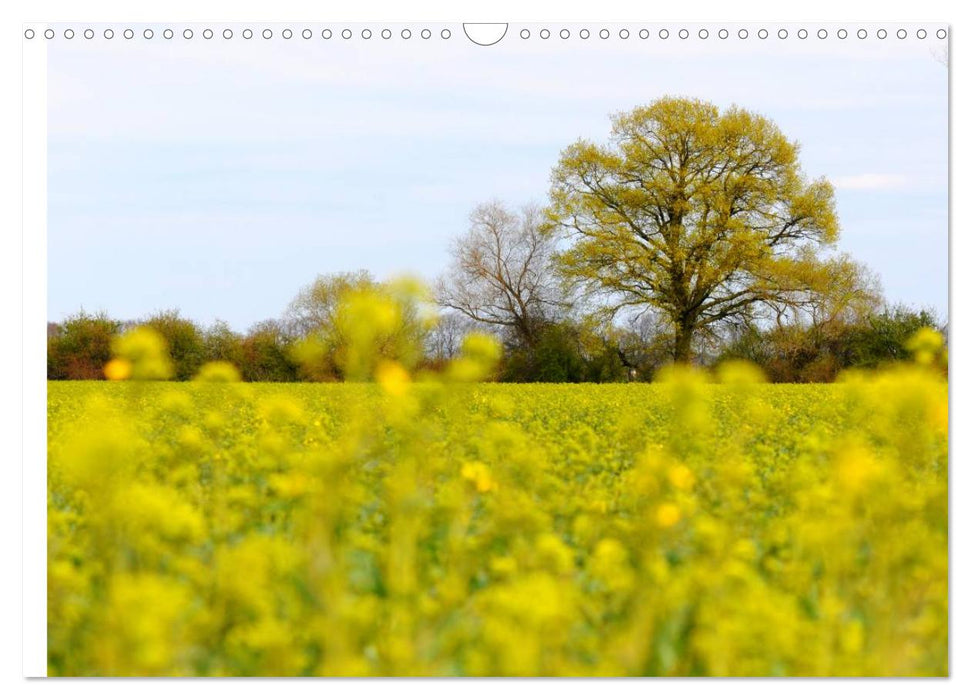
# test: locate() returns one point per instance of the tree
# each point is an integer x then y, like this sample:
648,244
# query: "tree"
80,347
555,356
800,352
265,353
444,339
502,273
184,340
331,318
699,213
840,291
642,342
222,344
885,337
314,309
567,350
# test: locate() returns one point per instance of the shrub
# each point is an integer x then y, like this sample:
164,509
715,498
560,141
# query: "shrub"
183,339
80,347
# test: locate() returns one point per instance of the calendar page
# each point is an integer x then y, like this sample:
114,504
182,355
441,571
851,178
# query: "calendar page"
414,349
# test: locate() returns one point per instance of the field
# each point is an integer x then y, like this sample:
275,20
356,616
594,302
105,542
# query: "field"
444,528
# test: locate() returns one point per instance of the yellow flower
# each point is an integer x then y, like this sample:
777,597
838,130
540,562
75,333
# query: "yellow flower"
926,344
118,369
480,353
218,372
146,352
681,477
479,474
852,637
393,378
667,515
739,372
856,467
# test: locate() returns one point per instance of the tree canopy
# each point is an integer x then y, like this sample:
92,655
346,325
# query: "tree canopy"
700,213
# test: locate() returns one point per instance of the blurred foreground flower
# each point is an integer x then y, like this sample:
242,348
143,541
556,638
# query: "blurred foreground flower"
145,352
218,372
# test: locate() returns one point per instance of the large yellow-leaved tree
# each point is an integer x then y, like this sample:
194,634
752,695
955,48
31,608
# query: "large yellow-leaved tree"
701,213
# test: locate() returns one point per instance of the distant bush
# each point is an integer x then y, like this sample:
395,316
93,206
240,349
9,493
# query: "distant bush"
80,347
266,355
221,344
564,352
796,353
184,340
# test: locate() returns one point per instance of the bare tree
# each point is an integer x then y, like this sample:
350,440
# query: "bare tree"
444,339
502,273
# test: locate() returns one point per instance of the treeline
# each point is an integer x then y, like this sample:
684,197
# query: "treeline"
81,346
305,344
818,353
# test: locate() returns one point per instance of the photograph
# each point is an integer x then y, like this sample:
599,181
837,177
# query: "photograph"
531,350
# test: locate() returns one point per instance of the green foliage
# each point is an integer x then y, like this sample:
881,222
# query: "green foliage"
818,353
886,336
221,344
184,339
80,347
267,354
564,352
554,356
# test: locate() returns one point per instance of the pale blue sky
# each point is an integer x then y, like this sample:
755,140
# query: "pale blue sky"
218,177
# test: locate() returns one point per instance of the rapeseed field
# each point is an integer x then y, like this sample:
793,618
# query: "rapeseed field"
706,524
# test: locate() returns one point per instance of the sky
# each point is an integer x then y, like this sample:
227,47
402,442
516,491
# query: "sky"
220,176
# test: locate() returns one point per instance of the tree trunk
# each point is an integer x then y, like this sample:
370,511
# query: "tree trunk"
683,334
